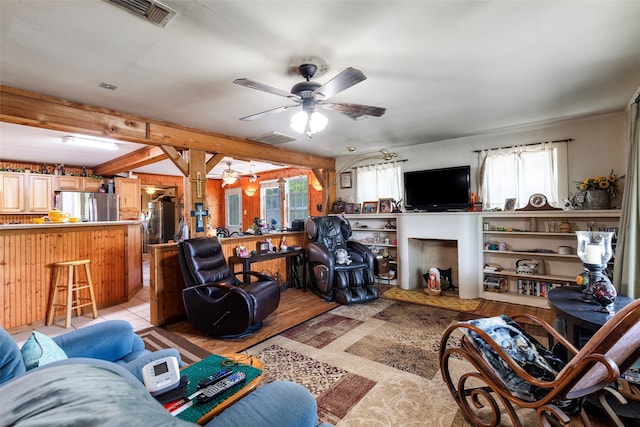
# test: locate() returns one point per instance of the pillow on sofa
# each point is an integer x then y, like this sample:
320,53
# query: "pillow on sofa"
39,350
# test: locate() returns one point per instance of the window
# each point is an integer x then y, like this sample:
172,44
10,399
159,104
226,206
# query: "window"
296,201
521,172
382,181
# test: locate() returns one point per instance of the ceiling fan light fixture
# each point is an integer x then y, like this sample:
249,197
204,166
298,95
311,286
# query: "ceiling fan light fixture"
309,124
229,176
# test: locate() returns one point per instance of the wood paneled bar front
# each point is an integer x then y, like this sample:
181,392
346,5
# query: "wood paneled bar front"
28,253
166,281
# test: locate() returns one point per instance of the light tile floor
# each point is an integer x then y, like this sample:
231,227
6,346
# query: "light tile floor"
136,311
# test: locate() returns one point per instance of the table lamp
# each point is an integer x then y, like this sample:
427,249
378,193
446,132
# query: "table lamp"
594,249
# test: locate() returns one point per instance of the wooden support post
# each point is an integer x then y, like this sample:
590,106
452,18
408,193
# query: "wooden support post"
195,194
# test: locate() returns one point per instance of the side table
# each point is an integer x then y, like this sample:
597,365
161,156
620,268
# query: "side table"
581,322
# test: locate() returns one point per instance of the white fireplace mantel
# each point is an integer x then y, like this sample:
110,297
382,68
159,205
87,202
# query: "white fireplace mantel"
462,227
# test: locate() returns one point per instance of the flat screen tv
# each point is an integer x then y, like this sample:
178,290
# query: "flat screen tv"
438,189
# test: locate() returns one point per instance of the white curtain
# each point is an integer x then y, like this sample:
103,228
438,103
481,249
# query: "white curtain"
520,172
627,260
381,181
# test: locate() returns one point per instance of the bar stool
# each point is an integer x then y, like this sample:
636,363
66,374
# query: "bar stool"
72,287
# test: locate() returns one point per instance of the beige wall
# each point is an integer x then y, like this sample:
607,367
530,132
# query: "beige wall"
599,145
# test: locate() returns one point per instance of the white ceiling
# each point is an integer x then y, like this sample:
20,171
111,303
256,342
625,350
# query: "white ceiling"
442,69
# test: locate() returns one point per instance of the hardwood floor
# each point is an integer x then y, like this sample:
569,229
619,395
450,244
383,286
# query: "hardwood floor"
296,306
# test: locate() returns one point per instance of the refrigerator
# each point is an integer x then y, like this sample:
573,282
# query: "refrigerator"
89,207
162,221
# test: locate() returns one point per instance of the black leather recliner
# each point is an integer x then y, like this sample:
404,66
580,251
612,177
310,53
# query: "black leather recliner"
345,283
216,302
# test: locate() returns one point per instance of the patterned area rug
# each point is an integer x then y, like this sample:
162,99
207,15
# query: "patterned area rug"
368,365
417,296
158,338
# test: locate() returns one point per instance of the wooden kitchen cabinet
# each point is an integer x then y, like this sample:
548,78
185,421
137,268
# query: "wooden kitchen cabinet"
68,183
77,183
91,184
129,202
39,193
11,192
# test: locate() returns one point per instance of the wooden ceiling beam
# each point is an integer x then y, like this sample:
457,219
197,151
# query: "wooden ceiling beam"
176,158
142,157
32,109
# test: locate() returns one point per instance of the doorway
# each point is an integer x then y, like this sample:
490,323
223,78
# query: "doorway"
233,209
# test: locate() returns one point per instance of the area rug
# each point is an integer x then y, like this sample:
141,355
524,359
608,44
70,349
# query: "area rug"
417,296
158,338
370,365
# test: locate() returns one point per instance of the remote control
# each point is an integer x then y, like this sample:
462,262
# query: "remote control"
215,378
221,386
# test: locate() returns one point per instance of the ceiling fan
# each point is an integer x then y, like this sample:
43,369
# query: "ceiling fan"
230,176
310,94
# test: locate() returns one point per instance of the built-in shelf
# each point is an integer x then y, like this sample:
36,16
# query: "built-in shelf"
510,231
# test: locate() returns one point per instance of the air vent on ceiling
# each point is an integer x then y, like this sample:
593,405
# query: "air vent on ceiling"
275,138
150,10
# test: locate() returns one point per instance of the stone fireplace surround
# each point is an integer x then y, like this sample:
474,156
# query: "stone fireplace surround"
420,233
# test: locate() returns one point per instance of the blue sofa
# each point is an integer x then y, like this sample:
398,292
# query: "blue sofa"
87,388
111,341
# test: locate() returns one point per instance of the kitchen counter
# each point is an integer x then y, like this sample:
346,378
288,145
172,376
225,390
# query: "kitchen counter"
47,225
28,253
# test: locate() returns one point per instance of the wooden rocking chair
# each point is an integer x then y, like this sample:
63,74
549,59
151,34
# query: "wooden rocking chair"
509,367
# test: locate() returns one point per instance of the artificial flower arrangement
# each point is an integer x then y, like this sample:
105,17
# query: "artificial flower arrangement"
608,183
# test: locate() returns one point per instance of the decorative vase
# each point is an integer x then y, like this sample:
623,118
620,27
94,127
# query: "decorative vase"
604,294
597,199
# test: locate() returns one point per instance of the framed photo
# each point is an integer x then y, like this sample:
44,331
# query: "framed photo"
357,208
345,180
370,207
348,208
510,204
386,205
338,206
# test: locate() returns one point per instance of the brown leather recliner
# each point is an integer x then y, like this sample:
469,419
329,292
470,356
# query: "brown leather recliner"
216,301
346,283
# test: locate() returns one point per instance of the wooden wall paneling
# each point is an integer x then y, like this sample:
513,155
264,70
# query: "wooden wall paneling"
27,262
166,284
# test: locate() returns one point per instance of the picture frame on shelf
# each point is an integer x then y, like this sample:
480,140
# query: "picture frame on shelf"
510,204
348,208
357,208
346,180
385,205
370,207
338,206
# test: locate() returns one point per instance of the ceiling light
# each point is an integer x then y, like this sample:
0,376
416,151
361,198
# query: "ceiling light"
308,124
89,143
150,190
229,176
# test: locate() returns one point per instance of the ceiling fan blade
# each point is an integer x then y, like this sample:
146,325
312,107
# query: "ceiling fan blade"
265,88
342,81
355,111
264,113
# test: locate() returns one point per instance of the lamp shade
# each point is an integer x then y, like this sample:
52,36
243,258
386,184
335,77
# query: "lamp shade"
310,124
594,247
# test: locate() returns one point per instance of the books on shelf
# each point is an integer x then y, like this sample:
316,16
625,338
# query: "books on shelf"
535,288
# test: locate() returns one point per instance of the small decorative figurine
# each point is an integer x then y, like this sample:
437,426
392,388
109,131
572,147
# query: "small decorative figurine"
342,257
433,282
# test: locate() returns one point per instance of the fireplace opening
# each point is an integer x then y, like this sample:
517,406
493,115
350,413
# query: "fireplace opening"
427,253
